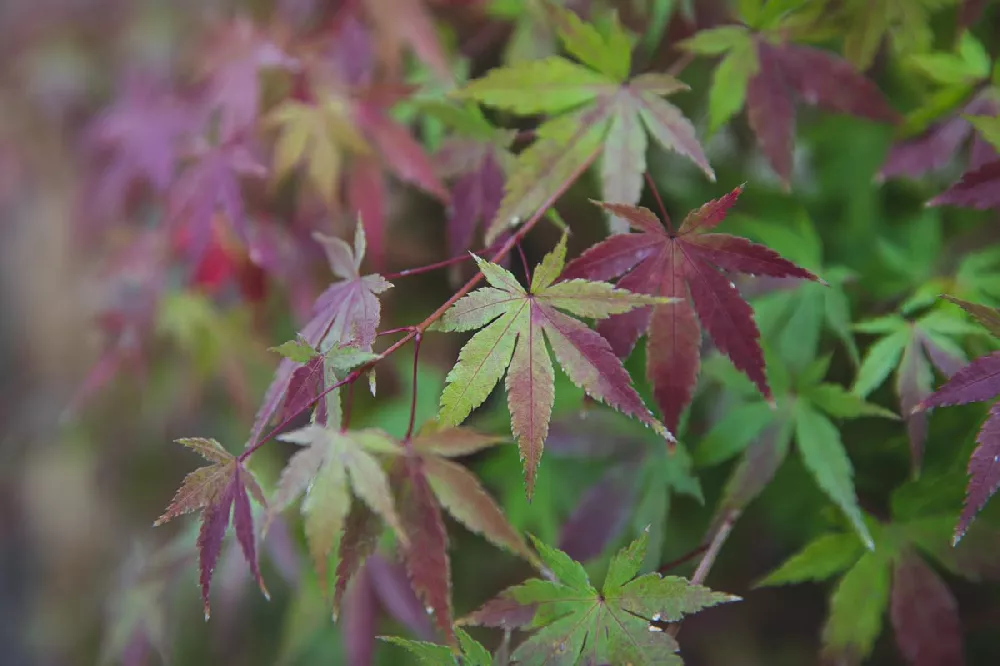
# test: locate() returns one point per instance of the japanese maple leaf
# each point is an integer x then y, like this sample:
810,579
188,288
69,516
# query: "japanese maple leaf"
594,108
139,133
211,184
409,23
430,482
906,26
767,74
217,490
803,411
976,382
515,323
231,67
684,265
936,146
978,186
333,466
475,160
472,651
911,348
575,623
347,313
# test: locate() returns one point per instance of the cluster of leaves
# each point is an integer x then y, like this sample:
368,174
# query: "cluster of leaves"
324,117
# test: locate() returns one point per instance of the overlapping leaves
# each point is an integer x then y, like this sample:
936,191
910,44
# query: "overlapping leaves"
768,74
804,405
683,265
515,323
594,107
575,623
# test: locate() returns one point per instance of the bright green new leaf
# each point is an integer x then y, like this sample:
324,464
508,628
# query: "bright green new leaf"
988,128
729,82
298,350
432,654
515,324
731,434
822,558
824,456
715,41
576,624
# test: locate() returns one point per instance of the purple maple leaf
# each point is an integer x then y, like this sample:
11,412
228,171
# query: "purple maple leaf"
210,184
137,139
686,264
976,382
936,146
816,77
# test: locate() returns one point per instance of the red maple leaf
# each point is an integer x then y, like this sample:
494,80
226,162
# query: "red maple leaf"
218,490
790,71
347,313
924,614
936,146
976,382
683,264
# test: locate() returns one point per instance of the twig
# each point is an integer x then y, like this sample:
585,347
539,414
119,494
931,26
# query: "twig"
673,564
721,534
524,263
413,398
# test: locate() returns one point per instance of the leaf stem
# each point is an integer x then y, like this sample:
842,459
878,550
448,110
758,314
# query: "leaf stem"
418,338
392,331
418,329
429,267
524,263
659,202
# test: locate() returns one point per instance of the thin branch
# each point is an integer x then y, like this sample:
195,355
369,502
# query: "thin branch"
419,329
413,398
701,573
393,331
673,564
681,64
659,202
429,267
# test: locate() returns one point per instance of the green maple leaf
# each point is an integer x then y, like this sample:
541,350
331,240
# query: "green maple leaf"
906,25
804,405
594,107
432,654
515,323
924,613
333,466
575,623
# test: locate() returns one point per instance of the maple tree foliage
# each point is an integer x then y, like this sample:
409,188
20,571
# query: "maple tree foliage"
683,265
307,139
575,623
768,74
515,325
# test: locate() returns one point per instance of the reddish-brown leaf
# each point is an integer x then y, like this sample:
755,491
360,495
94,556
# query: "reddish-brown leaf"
924,614
361,532
426,556
218,490
984,471
978,188
814,76
683,265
